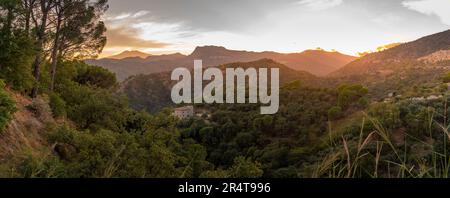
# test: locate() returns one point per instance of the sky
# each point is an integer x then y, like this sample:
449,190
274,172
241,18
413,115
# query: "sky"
287,26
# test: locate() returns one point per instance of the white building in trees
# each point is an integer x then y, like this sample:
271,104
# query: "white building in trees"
184,112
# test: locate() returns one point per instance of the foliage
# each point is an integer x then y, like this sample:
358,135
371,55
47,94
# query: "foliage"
91,108
41,108
335,113
318,131
245,168
7,107
350,93
95,76
58,105
446,78
16,54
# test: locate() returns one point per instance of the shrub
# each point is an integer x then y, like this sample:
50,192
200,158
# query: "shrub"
335,113
57,105
446,78
41,109
215,174
7,107
94,108
41,167
245,168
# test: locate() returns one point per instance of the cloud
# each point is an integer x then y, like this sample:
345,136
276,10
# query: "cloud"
140,13
440,8
128,37
208,15
123,32
260,25
320,4
128,15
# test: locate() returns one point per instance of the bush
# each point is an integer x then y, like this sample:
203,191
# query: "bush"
289,172
41,167
41,109
245,168
215,174
335,113
348,94
94,108
7,107
446,78
57,105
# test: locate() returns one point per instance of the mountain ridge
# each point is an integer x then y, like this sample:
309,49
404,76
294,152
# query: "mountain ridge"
416,50
317,62
129,54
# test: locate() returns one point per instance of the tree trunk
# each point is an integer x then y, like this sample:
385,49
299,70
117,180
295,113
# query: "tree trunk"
37,68
55,54
40,46
9,19
28,8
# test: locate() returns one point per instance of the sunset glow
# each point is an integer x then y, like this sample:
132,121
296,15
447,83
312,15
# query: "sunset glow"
348,26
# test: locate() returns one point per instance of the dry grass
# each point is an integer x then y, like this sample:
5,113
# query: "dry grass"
25,132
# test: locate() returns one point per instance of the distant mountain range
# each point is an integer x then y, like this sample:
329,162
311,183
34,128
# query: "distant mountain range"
130,54
317,62
400,68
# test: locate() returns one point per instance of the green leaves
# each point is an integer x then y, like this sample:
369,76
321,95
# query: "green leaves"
7,107
245,168
349,94
96,76
15,60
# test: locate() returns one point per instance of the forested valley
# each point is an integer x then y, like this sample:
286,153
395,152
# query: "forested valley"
63,118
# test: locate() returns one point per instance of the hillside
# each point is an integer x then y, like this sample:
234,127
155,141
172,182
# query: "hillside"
152,92
420,49
317,62
26,132
400,69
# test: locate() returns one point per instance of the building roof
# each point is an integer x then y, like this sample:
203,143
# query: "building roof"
186,108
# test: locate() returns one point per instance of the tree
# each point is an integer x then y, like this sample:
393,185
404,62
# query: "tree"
67,29
78,31
349,94
27,7
245,168
91,108
16,48
41,29
83,33
95,76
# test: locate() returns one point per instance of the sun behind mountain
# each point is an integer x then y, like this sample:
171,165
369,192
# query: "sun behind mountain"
130,54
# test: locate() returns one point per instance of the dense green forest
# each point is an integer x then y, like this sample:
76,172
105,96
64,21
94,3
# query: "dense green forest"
91,130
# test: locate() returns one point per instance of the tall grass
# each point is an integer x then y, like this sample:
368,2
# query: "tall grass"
393,160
